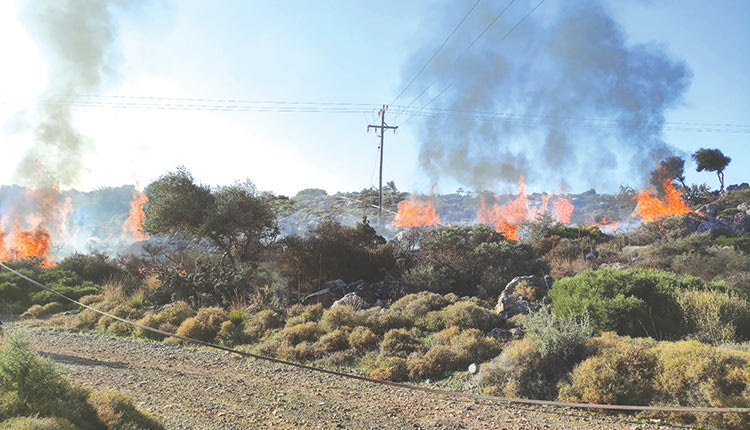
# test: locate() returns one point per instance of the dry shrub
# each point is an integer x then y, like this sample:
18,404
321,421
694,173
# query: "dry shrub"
388,320
175,313
37,423
715,316
390,369
38,311
90,299
86,319
464,314
334,341
413,306
528,291
472,346
399,343
691,373
117,411
260,323
363,339
149,320
520,371
620,374
337,317
231,334
205,325
436,361
299,314
308,331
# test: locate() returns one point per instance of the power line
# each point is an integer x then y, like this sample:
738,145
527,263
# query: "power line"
436,52
401,385
501,39
487,27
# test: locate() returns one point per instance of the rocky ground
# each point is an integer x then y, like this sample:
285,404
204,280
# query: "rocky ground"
189,388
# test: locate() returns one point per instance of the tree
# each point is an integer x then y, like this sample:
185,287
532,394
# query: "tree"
712,160
672,168
237,221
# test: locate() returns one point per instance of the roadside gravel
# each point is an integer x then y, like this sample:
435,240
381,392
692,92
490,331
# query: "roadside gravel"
189,388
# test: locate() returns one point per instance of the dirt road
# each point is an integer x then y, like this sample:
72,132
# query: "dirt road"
188,388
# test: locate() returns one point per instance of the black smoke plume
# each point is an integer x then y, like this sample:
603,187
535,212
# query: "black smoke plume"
579,102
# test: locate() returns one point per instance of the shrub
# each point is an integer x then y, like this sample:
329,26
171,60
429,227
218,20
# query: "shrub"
238,317
463,314
621,374
308,331
694,374
363,339
334,341
413,306
520,371
432,364
149,320
117,411
86,319
632,302
470,346
715,316
260,323
38,311
175,313
205,325
96,267
399,343
337,317
562,339
390,369
299,314
36,423
231,334
458,259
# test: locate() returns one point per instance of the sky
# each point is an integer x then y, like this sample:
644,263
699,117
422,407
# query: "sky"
345,52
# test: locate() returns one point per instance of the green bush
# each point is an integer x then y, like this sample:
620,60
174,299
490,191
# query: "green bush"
715,316
458,259
632,302
97,268
399,343
205,325
561,338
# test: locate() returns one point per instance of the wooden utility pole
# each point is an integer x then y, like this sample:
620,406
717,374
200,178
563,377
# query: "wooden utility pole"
383,127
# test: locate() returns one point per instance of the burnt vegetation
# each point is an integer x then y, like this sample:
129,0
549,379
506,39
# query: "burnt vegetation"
602,312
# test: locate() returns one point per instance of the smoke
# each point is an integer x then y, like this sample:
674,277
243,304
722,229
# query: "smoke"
581,104
76,38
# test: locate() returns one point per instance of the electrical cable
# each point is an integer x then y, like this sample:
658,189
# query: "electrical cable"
378,381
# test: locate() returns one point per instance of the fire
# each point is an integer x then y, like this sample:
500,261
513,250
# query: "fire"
133,225
21,244
650,207
413,213
562,209
506,218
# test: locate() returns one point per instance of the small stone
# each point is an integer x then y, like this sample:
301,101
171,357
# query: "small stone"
473,368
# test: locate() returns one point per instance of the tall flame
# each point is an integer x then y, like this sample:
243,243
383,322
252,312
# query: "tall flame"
650,207
133,225
18,243
506,218
413,213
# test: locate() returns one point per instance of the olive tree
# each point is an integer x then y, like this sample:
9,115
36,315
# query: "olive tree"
712,160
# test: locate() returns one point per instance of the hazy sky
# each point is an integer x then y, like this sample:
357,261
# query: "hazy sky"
336,52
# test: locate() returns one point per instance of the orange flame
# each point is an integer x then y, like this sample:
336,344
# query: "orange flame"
506,218
650,207
413,213
562,209
133,225
21,244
